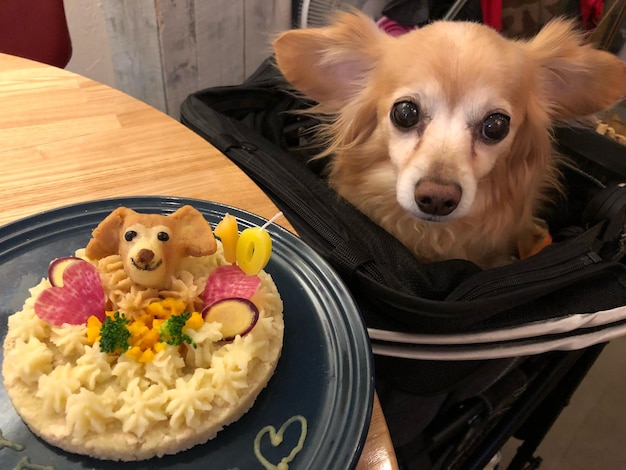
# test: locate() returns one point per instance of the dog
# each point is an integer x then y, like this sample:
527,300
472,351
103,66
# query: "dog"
442,136
152,245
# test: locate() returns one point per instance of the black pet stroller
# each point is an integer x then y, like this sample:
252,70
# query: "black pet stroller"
465,358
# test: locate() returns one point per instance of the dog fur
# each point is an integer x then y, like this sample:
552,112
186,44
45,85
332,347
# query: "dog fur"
457,74
151,245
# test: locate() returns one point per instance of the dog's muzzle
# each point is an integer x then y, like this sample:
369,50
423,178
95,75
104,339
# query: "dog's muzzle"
144,259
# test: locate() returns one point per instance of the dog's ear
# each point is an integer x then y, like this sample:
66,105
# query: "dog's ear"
193,232
105,238
329,64
576,79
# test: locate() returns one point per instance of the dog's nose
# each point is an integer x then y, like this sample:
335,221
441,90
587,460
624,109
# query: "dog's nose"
437,197
145,256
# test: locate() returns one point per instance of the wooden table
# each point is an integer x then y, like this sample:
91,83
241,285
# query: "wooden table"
66,139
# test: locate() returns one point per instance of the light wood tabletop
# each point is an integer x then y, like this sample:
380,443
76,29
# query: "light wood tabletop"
65,139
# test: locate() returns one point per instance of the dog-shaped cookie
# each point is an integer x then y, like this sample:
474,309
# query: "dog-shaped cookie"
152,245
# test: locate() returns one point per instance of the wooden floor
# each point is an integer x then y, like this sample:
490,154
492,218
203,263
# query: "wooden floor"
591,432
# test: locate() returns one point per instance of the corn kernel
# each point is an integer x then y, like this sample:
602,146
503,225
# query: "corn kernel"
145,318
93,329
149,339
146,356
156,309
134,353
137,329
195,321
133,325
175,305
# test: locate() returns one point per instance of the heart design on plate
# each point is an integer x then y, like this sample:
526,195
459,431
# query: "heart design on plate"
80,297
276,439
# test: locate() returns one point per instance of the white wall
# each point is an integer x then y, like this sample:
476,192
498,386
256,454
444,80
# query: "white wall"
160,51
91,55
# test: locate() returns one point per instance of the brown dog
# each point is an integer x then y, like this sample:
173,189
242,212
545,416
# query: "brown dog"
442,136
151,245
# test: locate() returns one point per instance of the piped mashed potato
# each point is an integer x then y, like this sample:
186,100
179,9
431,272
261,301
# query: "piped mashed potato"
111,406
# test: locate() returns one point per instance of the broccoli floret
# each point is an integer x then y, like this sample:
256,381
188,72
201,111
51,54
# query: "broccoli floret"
171,332
114,335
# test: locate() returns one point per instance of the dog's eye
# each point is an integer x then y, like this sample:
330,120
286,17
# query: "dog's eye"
128,236
163,236
495,127
405,114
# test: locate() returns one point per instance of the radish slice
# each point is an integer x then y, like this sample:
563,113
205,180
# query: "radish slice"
80,297
227,282
237,316
57,267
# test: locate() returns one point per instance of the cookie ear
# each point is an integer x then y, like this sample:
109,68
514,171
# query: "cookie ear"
576,80
193,232
330,64
105,238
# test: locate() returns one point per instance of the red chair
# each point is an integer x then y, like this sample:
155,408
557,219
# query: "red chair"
35,29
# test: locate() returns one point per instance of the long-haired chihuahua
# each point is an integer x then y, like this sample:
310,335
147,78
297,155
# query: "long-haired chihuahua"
443,135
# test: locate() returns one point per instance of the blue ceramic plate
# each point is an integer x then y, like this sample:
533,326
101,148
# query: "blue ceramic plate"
324,373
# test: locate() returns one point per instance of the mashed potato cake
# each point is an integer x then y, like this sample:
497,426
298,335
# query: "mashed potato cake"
113,406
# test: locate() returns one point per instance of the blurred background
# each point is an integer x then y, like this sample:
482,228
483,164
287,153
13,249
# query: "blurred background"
160,51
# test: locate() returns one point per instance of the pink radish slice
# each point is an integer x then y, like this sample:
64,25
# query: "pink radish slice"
237,316
80,296
227,282
56,268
